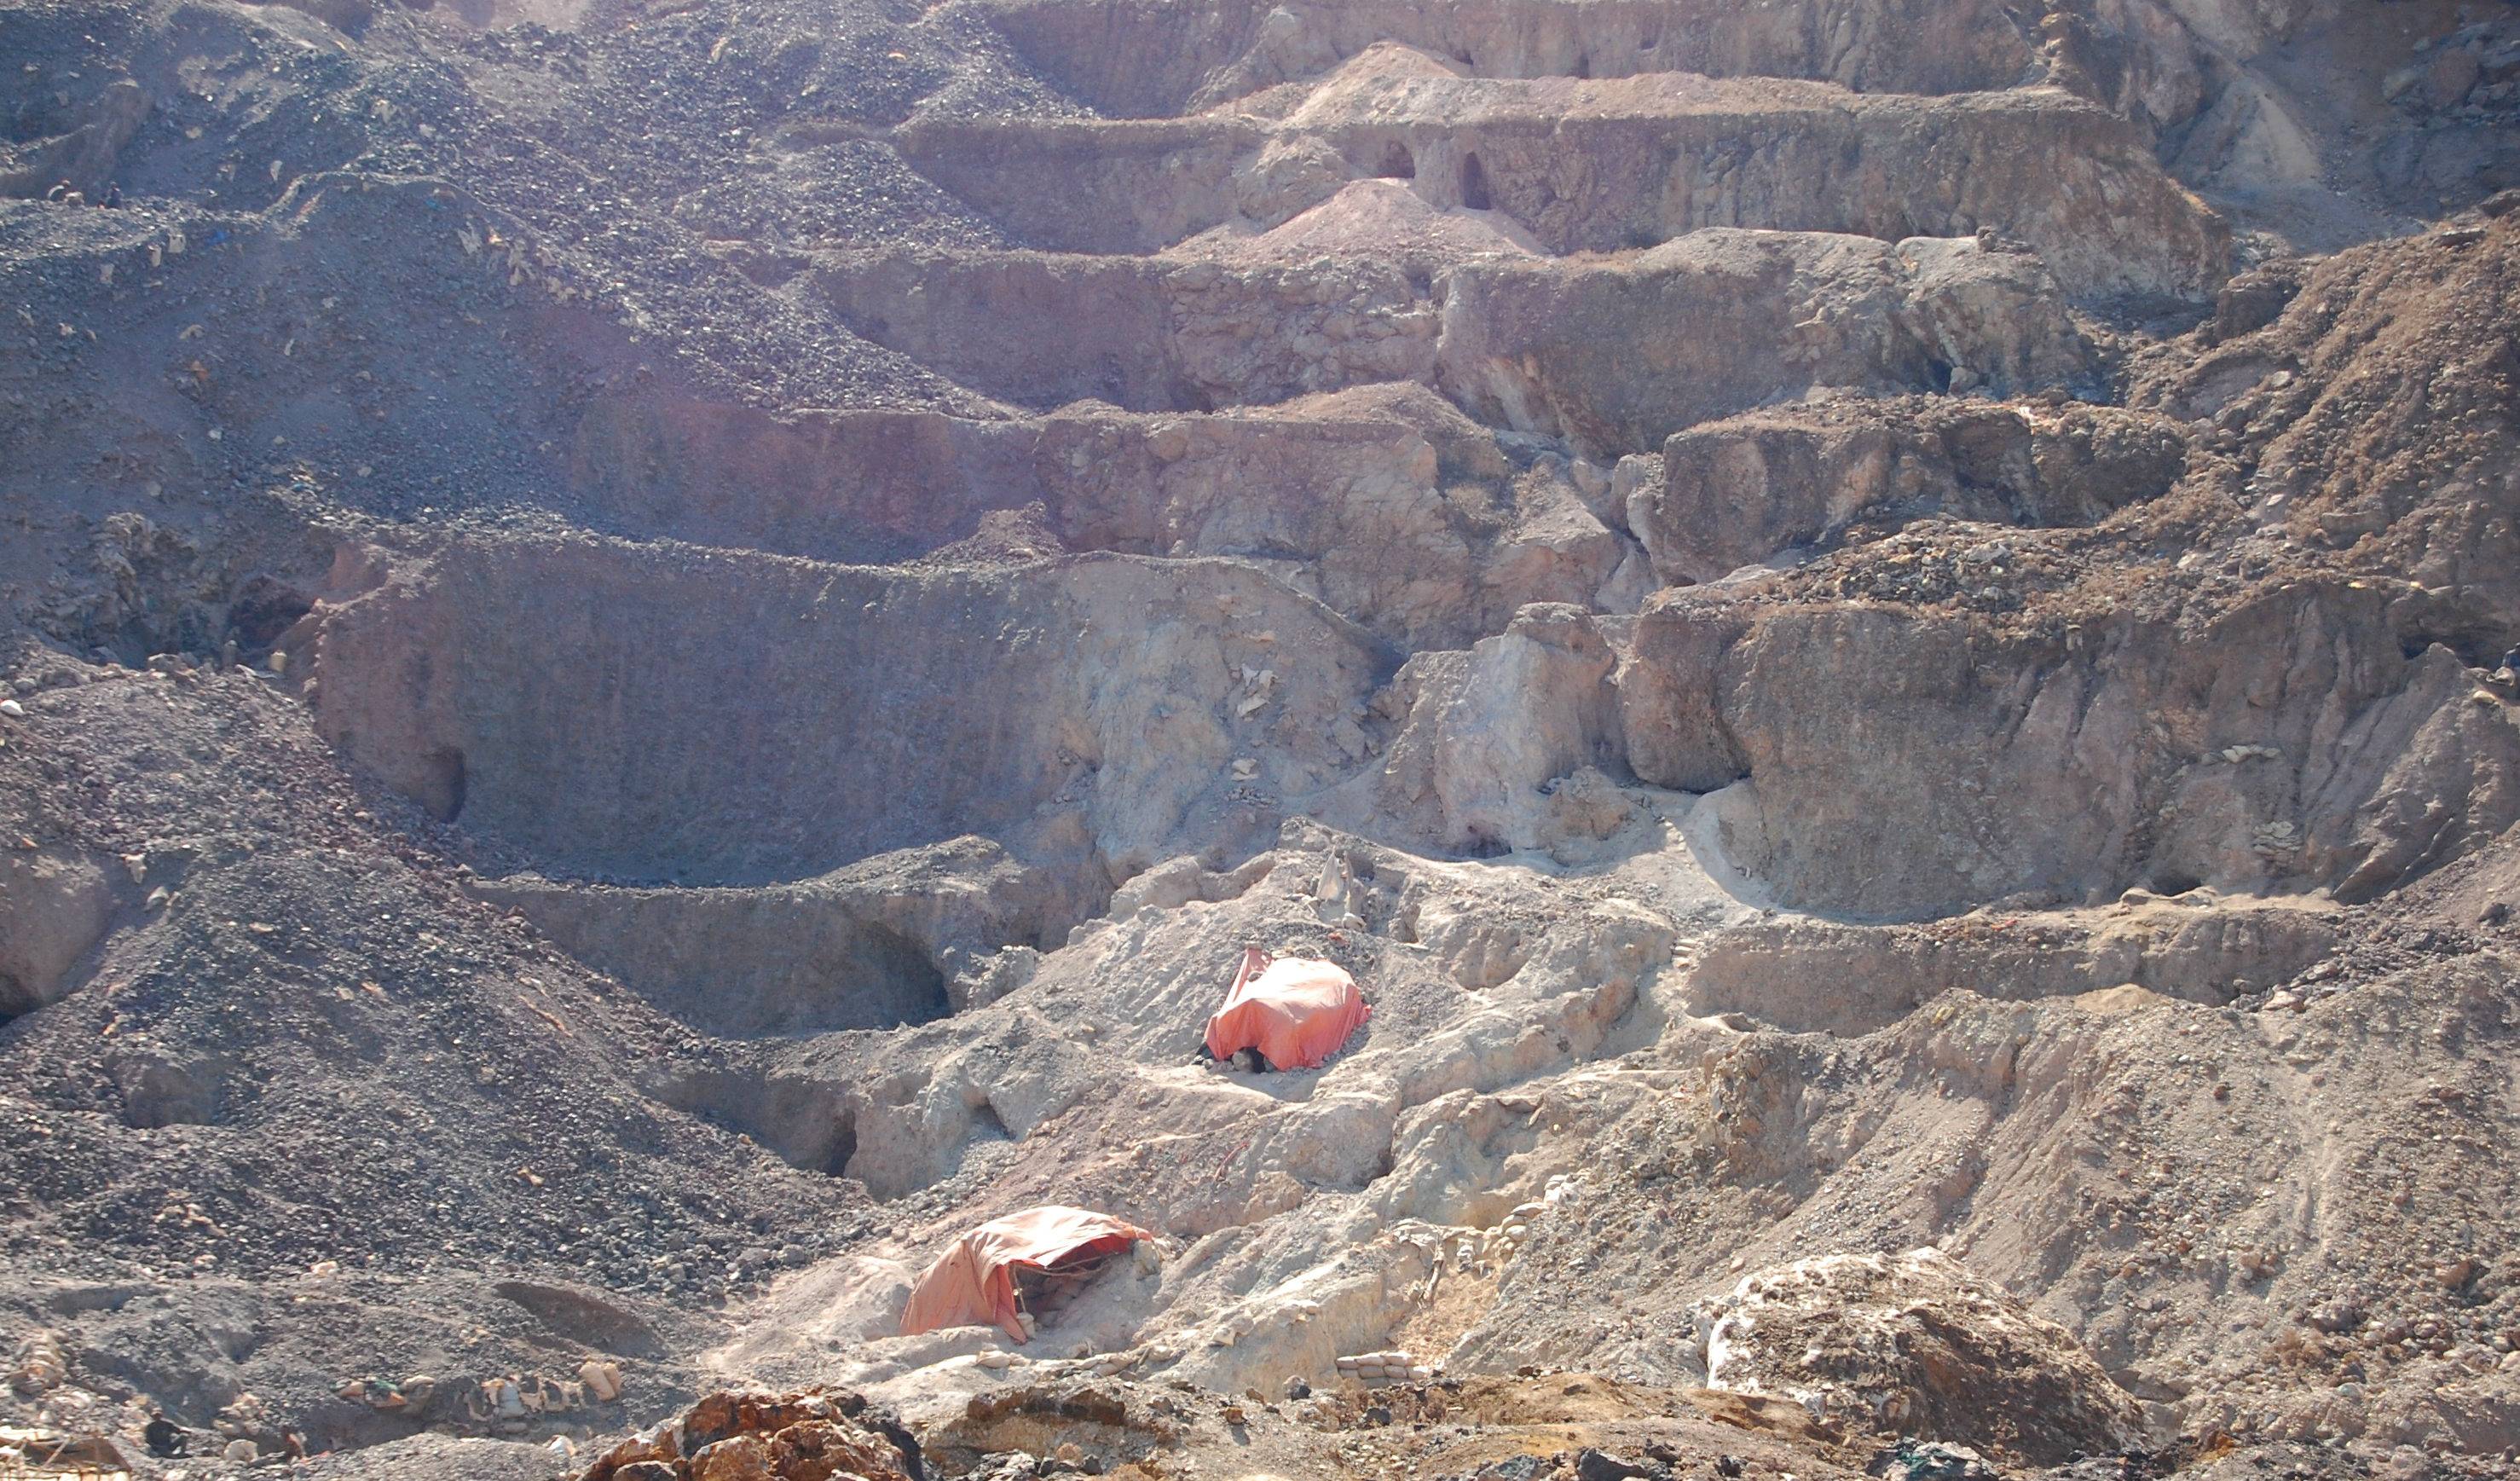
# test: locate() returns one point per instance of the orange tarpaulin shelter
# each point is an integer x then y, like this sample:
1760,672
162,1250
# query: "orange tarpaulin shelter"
973,1283
1296,1012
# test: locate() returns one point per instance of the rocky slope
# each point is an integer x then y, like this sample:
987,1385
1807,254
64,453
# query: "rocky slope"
659,653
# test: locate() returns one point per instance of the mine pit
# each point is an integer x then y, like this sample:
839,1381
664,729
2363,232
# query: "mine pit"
664,665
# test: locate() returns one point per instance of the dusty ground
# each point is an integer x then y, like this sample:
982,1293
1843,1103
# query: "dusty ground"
658,654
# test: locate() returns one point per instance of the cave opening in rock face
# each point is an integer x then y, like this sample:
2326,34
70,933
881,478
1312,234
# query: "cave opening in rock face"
1397,163
439,784
263,608
904,986
1474,184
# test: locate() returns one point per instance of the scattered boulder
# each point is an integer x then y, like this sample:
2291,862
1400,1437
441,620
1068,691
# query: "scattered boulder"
54,907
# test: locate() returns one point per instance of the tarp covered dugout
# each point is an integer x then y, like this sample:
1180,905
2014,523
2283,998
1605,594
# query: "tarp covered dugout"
1296,1012
973,1282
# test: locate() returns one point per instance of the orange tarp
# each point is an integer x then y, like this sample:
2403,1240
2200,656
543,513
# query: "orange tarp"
973,1283
1297,1011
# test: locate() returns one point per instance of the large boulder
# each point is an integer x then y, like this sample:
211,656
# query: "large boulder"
1915,1345
744,1435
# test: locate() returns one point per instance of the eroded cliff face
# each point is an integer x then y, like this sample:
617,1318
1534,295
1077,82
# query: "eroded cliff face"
659,655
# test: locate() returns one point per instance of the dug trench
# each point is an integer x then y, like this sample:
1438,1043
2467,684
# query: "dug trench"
662,655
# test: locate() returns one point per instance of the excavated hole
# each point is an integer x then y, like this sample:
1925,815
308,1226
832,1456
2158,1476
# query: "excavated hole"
1397,163
807,1124
263,608
873,978
1474,184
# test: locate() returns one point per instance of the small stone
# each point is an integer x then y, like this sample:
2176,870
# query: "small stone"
239,1453
12,709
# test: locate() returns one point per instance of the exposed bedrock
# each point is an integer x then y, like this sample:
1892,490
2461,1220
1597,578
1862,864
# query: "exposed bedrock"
1735,492
1491,730
1384,502
667,713
2289,738
1606,165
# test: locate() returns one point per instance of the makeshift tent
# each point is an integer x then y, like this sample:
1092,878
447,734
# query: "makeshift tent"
1296,1012
973,1282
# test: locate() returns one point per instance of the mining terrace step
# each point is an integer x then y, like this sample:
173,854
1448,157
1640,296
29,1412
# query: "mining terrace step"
1152,57
1605,166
